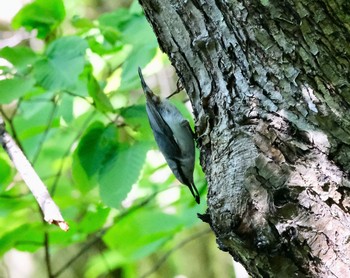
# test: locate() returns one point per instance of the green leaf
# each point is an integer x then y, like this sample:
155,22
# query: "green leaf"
25,238
5,173
265,2
11,89
100,266
63,64
138,32
10,208
43,15
66,239
183,110
82,22
81,180
132,29
140,56
95,147
100,99
135,8
94,219
142,233
66,108
104,47
116,19
121,172
111,35
110,25
19,56
136,118
32,123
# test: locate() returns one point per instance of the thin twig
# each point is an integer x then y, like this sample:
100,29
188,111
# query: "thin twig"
47,255
50,210
46,132
169,253
10,122
101,232
11,197
28,242
78,96
81,252
105,262
60,168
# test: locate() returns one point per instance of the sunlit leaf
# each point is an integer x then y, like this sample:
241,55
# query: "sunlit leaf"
44,16
142,233
66,108
25,238
121,172
73,236
136,118
5,172
81,22
104,47
135,8
140,56
100,99
99,265
63,63
88,153
111,34
116,19
94,219
32,123
11,89
19,56
137,33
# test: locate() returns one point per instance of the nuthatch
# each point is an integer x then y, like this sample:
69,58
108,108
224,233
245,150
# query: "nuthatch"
173,135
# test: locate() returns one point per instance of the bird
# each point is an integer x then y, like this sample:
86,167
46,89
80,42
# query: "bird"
173,136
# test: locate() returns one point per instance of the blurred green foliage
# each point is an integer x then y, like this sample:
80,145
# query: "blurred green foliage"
92,147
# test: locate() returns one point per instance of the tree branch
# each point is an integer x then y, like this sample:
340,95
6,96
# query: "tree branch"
50,210
101,232
46,131
62,163
178,246
47,255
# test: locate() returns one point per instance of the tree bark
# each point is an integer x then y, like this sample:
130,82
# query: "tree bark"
269,86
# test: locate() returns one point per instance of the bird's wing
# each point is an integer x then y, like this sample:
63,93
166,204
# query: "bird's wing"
163,133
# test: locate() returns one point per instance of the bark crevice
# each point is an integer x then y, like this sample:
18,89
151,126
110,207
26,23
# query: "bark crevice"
269,85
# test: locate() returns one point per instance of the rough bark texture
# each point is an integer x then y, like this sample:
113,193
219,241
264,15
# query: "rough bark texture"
269,85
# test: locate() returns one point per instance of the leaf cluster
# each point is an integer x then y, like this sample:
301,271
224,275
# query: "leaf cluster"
76,109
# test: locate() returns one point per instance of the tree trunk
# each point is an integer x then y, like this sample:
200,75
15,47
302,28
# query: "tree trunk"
269,86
